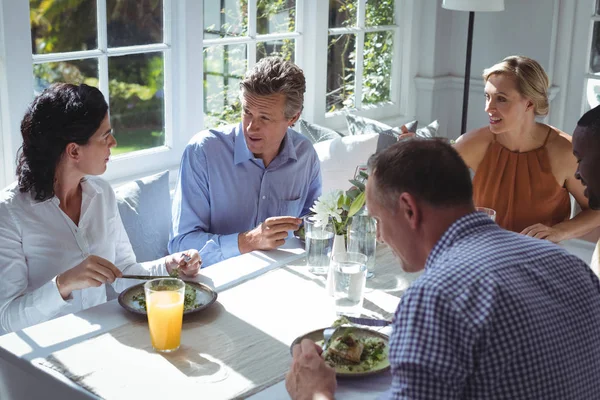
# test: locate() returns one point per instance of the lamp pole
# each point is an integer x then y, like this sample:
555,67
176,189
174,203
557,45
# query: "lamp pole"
465,112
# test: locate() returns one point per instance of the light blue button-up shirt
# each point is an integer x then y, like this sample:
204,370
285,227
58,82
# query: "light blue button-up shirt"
223,190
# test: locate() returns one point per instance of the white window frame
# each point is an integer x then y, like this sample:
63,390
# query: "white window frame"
376,111
183,76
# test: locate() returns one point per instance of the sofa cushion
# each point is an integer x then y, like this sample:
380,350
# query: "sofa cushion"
340,157
387,135
360,125
145,208
317,133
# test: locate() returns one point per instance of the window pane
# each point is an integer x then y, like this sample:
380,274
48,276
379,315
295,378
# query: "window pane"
595,50
136,86
340,72
593,93
224,68
225,18
75,72
281,48
275,16
597,7
62,26
134,22
342,13
379,12
377,67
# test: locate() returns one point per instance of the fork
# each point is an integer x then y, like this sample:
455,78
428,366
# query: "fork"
327,334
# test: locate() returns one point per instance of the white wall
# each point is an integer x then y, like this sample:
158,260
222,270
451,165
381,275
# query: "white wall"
553,32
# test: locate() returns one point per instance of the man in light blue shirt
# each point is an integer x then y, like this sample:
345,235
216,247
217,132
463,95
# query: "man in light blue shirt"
242,188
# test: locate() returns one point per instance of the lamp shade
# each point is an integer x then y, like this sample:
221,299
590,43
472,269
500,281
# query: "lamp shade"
474,5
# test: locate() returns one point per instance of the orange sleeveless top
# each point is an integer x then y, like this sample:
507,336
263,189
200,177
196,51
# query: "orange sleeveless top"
520,187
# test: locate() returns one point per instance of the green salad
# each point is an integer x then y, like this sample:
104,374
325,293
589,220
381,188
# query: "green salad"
189,300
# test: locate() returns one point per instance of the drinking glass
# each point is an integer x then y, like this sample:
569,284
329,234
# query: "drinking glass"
349,279
164,305
488,211
362,238
318,239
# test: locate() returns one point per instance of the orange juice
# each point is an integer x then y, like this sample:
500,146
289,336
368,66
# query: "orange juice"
165,316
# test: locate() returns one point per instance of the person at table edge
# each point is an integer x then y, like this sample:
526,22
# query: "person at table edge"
495,314
586,149
62,235
242,188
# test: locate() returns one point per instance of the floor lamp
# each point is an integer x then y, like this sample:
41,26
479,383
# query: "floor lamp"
471,6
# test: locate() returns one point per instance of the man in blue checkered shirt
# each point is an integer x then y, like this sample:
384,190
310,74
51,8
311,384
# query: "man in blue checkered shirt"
495,315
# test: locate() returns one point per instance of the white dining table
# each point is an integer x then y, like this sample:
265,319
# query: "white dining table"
22,377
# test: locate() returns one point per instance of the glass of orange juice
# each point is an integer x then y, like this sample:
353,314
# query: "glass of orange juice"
164,305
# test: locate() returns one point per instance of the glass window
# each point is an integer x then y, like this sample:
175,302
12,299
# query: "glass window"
62,26
340,72
224,68
361,43
225,18
342,13
136,89
134,82
73,71
377,67
134,22
275,16
379,12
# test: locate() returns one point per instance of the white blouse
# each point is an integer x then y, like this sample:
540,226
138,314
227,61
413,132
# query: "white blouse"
38,241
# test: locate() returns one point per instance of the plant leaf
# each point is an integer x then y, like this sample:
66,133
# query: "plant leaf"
341,201
357,204
358,184
352,193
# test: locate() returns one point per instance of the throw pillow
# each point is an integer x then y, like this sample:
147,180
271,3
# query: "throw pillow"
340,157
145,208
429,131
317,133
387,135
363,126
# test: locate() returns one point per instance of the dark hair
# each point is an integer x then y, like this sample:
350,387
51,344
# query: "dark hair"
274,75
591,121
62,114
429,169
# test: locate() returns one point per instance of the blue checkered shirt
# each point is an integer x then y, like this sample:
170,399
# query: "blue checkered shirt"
497,315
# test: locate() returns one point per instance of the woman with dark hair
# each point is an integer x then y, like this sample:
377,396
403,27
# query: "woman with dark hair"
62,236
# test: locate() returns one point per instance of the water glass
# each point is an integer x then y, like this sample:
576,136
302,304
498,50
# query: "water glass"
349,279
318,238
164,305
362,238
488,211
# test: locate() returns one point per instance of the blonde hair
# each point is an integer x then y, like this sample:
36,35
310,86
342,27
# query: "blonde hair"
532,81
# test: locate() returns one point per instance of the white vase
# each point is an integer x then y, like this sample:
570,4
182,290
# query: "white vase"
339,246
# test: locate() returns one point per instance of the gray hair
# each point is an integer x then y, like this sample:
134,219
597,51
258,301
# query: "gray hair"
274,75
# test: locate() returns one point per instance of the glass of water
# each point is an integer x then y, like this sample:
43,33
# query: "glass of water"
318,239
362,238
349,279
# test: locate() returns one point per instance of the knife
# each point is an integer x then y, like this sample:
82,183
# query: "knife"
146,277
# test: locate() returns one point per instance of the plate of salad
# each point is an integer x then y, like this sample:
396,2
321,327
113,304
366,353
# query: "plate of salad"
198,297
